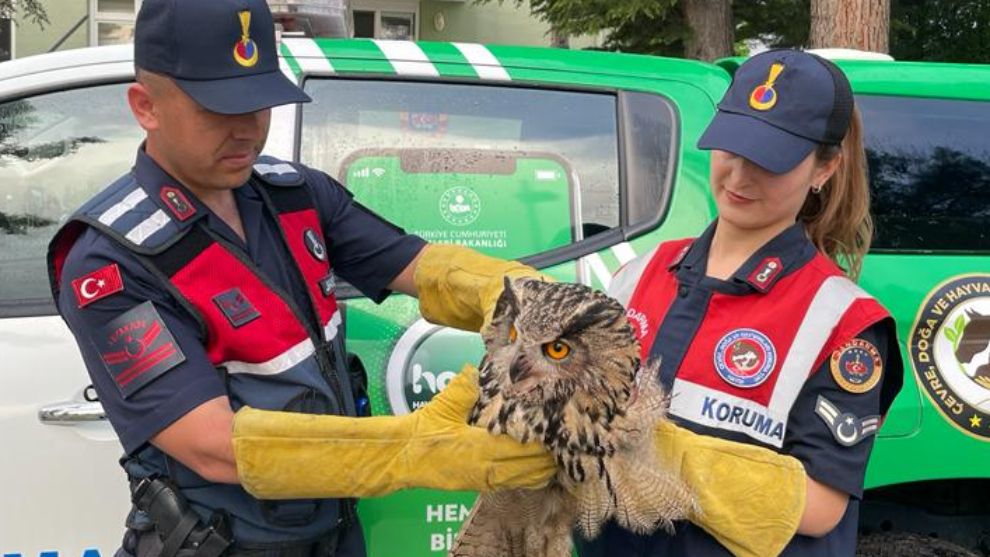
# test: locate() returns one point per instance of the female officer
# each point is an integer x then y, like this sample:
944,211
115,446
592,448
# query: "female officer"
780,368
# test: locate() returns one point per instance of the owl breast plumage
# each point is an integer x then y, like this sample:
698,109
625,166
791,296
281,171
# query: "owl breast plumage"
562,368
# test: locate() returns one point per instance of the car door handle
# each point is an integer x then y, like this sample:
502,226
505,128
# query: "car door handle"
71,413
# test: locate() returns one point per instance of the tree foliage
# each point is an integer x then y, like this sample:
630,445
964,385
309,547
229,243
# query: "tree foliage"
645,26
940,30
947,30
776,23
30,10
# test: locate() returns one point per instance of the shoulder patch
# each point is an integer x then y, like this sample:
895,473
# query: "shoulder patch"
856,366
98,285
277,172
846,428
135,220
137,347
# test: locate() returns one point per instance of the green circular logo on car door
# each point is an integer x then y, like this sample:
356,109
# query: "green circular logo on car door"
460,206
424,360
950,352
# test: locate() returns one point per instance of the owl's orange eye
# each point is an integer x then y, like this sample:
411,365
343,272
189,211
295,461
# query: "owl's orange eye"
512,333
556,350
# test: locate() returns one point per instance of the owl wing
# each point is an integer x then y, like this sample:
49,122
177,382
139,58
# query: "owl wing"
516,523
647,496
483,533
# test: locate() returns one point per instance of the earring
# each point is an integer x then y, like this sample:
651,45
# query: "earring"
816,188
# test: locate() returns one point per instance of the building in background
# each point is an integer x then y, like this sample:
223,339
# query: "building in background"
82,23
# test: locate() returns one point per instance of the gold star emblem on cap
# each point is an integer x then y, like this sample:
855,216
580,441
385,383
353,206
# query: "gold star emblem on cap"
975,421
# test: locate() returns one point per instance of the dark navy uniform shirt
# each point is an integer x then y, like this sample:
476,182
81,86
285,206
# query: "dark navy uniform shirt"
809,438
363,249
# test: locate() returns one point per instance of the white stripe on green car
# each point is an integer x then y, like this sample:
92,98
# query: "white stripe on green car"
624,253
309,56
599,271
407,58
483,61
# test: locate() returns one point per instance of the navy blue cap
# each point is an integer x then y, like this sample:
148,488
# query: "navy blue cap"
220,52
781,105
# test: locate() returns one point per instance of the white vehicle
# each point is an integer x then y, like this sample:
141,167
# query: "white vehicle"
61,490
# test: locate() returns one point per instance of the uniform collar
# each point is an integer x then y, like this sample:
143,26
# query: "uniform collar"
784,253
169,194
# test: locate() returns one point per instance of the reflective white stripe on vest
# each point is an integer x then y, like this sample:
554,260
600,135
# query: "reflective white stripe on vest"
407,58
768,424
709,407
288,359
124,205
332,326
833,299
147,227
483,61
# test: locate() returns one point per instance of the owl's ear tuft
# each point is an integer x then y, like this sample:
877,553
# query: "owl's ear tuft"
507,305
508,301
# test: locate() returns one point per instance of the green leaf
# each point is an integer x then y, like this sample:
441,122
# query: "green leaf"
952,336
959,325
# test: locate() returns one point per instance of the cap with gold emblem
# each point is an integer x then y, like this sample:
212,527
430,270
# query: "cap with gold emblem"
780,106
222,53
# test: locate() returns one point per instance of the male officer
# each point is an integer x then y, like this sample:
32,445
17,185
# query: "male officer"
202,281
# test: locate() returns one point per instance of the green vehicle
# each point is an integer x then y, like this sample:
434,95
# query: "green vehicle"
575,162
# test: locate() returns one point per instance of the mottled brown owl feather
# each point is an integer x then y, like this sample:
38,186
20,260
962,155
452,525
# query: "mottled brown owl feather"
594,410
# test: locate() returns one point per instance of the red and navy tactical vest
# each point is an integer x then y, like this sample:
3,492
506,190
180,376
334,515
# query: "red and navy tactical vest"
272,354
751,354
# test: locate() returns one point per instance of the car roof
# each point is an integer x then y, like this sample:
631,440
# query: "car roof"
66,59
441,58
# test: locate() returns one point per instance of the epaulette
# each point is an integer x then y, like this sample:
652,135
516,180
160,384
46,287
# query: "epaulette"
276,172
125,212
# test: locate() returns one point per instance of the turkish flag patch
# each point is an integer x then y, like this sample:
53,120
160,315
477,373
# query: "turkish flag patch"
137,347
98,285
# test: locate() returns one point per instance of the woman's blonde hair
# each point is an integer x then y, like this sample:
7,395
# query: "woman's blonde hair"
838,218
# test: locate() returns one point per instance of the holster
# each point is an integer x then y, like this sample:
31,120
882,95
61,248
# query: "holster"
161,524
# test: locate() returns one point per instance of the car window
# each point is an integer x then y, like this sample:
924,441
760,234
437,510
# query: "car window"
929,165
510,171
56,151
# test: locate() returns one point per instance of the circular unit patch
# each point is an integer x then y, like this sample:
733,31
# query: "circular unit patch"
856,366
314,245
949,350
744,358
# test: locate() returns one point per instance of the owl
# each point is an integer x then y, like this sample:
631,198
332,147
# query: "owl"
562,368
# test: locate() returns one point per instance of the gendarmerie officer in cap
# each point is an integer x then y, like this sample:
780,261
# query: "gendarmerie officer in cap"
202,282
780,368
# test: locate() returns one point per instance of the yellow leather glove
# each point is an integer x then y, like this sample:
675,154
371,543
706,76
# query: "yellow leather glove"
283,455
458,287
751,498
